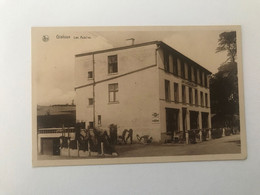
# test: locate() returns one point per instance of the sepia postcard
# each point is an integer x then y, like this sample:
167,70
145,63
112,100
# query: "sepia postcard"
113,95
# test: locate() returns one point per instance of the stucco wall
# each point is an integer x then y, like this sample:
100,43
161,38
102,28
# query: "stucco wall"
138,94
138,100
83,65
84,111
178,105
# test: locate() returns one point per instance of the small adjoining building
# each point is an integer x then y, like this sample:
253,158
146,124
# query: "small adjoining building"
148,87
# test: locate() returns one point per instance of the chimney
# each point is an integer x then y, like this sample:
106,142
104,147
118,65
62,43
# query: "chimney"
130,41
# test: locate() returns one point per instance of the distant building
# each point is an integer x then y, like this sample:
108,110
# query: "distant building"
52,123
148,87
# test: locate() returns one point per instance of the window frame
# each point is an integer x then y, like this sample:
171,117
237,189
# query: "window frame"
114,92
167,90
201,99
114,69
183,94
190,96
176,91
90,101
90,72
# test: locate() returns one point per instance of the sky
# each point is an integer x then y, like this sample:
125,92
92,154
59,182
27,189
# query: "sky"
53,61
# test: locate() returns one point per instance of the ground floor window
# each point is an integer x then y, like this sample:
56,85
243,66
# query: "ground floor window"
204,120
194,120
172,121
99,119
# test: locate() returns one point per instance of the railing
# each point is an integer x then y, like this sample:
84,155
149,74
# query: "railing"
56,130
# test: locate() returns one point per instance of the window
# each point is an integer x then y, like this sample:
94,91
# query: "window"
182,70
186,71
90,101
113,92
195,75
91,125
196,97
203,79
90,75
206,80
112,64
175,65
206,99
192,74
198,77
189,72
99,119
190,96
179,66
201,99
183,94
176,92
166,61
167,91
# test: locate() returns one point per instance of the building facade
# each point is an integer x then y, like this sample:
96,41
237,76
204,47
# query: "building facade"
149,87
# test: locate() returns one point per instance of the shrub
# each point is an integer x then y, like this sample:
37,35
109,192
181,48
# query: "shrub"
228,131
217,133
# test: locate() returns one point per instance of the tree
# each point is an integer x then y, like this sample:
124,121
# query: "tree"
227,42
224,84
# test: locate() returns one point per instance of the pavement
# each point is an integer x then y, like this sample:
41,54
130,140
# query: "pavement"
224,145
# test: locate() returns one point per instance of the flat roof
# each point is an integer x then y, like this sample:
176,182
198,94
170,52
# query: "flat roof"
145,44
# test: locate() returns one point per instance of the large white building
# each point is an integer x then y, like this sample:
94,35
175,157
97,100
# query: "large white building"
148,87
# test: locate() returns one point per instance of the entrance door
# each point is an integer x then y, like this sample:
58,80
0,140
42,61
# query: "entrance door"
172,120
47,146
194,122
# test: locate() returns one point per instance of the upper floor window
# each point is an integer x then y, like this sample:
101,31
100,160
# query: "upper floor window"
189,72
196,97
200,75
192,74
90,75
206,100
182,70
195,75
166,61
113,92
206,80
183,89
203,79
201,99
175,65
179,66
167,90
190,96
112,64
176,92
90,101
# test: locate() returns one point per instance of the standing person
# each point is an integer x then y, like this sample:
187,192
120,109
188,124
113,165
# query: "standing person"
130,135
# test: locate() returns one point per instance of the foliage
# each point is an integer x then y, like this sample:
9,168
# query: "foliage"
227,42
228,131
224,84
216,133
